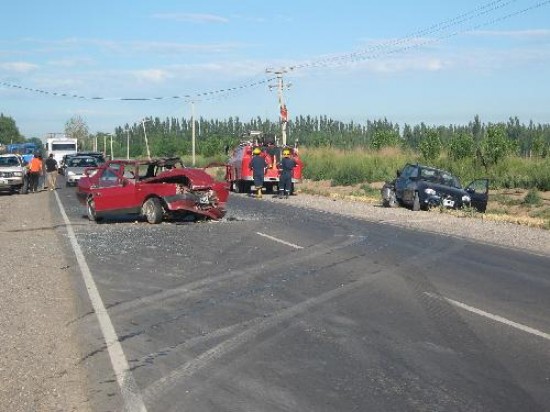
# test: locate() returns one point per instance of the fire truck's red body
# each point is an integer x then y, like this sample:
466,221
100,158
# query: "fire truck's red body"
239,175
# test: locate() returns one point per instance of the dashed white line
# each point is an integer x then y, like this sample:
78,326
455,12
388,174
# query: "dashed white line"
491,316
131,395
280,240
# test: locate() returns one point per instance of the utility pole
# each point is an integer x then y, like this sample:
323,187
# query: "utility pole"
193,132
111,145
145,134
127,143
280,86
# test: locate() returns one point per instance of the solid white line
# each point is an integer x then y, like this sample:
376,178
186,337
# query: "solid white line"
496,318
130,392
279,240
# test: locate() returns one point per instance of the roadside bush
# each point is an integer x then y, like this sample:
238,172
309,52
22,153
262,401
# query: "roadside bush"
532,198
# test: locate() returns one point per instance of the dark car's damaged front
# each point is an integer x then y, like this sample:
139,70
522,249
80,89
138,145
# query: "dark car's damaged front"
424,187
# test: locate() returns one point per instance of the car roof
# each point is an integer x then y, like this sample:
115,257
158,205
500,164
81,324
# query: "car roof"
428,167
160,161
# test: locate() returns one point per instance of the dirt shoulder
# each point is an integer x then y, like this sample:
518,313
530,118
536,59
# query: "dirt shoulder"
39,354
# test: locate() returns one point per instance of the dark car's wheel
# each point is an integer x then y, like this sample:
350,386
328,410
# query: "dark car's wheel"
90,209
416,202
152,210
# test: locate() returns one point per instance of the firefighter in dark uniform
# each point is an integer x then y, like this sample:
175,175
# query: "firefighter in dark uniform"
258,165
286,166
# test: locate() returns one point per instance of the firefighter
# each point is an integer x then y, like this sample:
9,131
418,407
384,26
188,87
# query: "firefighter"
258,165
286,166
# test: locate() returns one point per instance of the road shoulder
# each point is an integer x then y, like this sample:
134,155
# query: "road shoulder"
40,355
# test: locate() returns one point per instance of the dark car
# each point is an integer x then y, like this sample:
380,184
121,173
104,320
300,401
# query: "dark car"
153,189
424,187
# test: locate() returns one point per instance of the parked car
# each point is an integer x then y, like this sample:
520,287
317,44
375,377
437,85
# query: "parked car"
154,189
65,161
12,173
424,187
75,167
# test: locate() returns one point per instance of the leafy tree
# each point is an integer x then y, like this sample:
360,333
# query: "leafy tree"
76,128
462,146
494,147
537,146
9,133
430,145
384,138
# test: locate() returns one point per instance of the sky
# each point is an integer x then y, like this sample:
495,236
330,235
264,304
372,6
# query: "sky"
437,62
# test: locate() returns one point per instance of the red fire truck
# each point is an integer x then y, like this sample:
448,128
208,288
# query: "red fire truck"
238,173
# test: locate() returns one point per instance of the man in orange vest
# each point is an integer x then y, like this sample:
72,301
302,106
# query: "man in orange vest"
35,170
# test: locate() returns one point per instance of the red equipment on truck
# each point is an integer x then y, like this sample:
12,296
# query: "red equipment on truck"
238,173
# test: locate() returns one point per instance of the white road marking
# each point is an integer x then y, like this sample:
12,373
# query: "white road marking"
491,316
131,395
279,240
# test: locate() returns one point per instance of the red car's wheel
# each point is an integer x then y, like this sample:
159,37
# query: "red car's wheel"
90,209
152,210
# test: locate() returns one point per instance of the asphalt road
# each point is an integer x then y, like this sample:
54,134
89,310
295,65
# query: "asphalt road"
280,309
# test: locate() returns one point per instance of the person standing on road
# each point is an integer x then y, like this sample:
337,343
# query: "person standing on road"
51,171
258,165
35,171
286,166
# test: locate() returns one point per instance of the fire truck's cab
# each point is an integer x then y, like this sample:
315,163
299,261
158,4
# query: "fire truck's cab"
238,173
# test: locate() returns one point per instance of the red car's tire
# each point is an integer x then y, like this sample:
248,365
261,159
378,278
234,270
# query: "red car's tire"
90,210
152,210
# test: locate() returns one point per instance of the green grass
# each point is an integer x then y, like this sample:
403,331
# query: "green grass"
350,167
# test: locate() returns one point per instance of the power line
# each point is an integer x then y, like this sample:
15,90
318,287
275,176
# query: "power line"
186,97
386,48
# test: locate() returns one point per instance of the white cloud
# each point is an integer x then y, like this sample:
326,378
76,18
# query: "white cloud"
191,17
152,75
19,67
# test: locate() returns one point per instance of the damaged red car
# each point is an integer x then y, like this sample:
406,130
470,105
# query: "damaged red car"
154,189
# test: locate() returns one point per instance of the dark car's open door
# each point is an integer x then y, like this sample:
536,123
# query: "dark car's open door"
479,193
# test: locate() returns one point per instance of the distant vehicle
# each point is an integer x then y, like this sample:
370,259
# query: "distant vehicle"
63,165
12,173
60,146
238,174
26,150
154,189
424,187
75,167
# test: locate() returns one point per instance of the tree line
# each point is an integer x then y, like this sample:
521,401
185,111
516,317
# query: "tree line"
488,142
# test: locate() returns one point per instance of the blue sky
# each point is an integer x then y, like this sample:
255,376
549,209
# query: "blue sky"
438,62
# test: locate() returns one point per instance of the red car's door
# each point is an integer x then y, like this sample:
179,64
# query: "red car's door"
115,193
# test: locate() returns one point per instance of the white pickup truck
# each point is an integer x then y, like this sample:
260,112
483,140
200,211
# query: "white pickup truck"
12,173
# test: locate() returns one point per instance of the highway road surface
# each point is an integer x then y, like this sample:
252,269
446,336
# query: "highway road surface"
277,308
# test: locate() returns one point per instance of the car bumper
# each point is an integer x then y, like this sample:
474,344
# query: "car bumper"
9,182
73,179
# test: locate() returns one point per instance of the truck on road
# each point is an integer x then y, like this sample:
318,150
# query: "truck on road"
60,146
